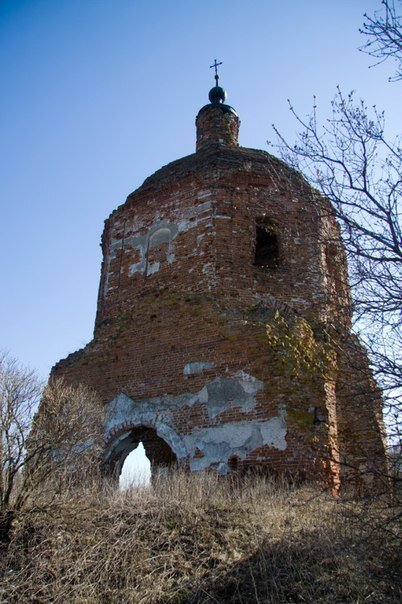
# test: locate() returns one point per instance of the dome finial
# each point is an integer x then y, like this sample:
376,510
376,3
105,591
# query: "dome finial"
217,94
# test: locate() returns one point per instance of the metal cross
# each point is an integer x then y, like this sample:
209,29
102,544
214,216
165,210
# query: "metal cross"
216,70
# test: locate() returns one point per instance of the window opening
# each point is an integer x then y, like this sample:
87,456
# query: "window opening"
266,246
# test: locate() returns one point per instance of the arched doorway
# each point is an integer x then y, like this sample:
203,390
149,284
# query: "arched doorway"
156,449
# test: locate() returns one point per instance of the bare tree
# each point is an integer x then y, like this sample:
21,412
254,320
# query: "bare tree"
63,436
20,391
358,168
384,36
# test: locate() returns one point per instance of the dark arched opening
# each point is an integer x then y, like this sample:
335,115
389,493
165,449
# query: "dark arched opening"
156,449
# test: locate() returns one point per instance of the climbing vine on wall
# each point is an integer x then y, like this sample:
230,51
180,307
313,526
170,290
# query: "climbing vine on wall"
297,351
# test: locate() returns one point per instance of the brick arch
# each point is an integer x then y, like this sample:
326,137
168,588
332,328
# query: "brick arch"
123,442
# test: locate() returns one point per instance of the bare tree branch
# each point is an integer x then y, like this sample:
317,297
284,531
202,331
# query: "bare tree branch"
350,160
384,36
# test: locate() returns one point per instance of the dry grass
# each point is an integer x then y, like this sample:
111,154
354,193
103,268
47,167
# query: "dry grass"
197,539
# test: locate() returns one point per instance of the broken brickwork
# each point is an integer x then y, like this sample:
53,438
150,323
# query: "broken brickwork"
213,253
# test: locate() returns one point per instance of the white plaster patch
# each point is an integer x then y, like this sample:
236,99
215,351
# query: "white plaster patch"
207,268
196,367
250,384
138,267
153,268
203,207
218,443
203,194
184,225
229,392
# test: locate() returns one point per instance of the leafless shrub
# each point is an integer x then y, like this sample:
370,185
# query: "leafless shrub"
20,391
66,435
59,440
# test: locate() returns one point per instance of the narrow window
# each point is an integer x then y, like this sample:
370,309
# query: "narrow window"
266,246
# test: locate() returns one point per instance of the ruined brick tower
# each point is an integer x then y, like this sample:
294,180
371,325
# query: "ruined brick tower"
222,331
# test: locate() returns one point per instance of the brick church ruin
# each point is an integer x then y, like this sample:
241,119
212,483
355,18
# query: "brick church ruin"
222,336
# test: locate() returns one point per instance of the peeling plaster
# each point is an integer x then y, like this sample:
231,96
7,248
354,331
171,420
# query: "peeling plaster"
153,268
123,412
160,232
229,392
219,395
216,443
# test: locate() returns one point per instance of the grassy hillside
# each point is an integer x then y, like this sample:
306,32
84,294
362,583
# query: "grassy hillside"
197,539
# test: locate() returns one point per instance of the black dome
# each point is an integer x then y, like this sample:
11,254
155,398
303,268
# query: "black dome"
217,95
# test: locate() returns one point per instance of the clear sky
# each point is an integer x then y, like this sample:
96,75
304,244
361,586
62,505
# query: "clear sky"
95,95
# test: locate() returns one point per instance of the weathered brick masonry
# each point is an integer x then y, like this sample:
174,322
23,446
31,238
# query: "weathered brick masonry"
222,331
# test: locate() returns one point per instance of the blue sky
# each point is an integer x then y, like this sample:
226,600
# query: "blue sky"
95,95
